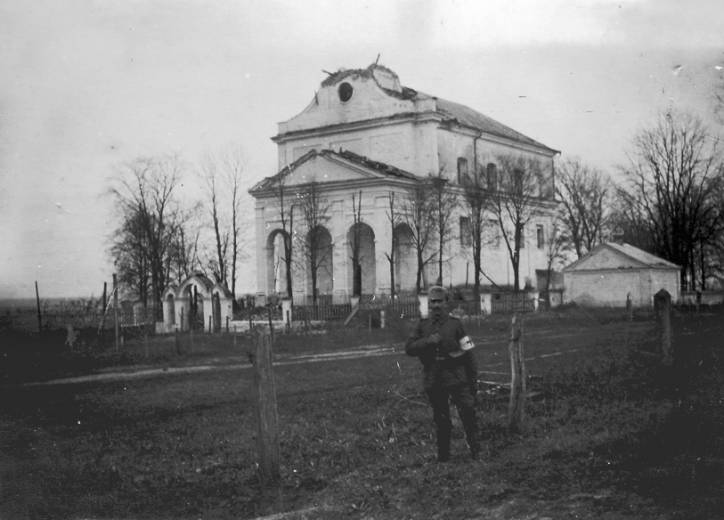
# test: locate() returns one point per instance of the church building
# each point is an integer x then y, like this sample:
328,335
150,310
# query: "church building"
362,140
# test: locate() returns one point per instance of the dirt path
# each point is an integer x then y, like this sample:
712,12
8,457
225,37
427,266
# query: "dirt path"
223,364
498,368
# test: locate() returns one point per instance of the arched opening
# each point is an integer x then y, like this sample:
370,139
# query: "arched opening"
319,264
405,263
216,311
276,264
170,310
195,314
362,277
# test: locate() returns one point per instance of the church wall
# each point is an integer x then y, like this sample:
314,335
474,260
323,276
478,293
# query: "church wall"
495,259
406,146
453,145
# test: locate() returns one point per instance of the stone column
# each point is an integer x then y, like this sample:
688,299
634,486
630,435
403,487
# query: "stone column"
340,256
261,249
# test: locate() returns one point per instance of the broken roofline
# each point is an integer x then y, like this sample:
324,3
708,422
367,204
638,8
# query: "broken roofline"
348,155
448,112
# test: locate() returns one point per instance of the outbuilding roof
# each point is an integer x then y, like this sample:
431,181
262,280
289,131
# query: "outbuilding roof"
641,258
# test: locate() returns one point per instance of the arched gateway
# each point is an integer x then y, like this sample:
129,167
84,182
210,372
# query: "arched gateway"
198,303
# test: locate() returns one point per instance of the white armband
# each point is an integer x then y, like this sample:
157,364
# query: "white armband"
465,344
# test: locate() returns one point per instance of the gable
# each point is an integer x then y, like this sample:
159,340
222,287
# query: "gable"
330,167
369,99
324,169
618,256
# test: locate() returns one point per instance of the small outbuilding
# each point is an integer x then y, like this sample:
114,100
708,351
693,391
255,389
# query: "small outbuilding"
611,273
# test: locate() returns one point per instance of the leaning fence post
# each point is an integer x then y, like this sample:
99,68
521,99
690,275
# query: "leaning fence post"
267,418
176,342
37,302
516,407
629,307
115,308
662,306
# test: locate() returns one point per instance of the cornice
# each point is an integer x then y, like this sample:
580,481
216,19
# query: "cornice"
406,117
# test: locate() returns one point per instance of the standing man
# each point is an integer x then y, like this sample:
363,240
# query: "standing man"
449,371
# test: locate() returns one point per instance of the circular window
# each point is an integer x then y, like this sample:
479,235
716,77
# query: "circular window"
345,91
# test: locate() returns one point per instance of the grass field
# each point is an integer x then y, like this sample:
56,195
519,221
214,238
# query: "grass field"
609,434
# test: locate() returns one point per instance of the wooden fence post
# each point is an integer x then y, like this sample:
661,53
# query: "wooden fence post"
37,303
662,306
267,418
516,407
629,307
115,309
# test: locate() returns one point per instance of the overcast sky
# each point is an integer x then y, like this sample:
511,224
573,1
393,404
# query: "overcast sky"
86,85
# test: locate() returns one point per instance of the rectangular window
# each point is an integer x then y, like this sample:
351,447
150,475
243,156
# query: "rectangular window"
466,238
539,236
462,170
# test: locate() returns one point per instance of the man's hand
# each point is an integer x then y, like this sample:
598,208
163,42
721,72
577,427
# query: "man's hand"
434,338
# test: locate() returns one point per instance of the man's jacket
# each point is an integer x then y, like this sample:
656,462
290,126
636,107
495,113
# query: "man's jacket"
440,368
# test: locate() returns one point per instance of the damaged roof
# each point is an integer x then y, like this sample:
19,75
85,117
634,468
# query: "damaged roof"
451,112
360,160
466,116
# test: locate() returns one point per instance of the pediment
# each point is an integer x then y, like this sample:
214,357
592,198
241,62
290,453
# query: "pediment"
330,167
324,169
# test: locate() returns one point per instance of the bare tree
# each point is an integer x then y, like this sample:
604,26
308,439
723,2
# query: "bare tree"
394,218
417,212
556,246
584,195
210,177
444,203
184,255
144,190
315,213
222,175
286,216
475,198
356,244
673,173
516,201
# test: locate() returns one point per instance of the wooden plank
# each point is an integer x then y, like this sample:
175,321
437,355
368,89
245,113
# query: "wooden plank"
266,410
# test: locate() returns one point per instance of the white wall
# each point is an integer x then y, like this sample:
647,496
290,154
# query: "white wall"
610,288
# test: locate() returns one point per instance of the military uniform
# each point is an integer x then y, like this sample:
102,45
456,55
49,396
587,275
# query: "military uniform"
448,373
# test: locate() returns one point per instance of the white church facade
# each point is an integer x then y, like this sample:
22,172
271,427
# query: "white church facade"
364,134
